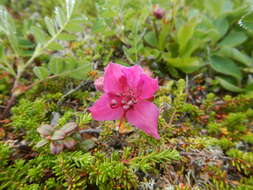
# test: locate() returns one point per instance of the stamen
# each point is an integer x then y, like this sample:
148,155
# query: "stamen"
123,101
126,107
114,102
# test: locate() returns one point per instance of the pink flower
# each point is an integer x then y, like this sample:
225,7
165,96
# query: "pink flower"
127,91
158,12
99,84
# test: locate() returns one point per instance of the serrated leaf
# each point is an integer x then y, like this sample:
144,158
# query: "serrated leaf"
41,72
225,66
56,65
185,64
228,85
39,34
234,39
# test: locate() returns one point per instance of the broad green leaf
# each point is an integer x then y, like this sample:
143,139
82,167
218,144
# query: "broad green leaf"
56,65
185,33
221,26
151,39
41,72
236,55
234,39
67,37
228,85
225,66
40,36
247,22
185,64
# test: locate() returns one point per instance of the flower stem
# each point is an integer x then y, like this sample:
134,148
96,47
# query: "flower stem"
121,125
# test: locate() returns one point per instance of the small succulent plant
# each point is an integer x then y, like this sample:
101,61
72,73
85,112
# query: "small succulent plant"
58,138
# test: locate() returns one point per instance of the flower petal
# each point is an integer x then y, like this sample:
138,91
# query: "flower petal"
144,115
132,75
102,110
113,78
45,130
147,87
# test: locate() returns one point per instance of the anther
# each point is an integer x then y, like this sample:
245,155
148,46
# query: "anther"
126,107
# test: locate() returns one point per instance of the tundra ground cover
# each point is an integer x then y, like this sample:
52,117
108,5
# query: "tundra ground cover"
62,124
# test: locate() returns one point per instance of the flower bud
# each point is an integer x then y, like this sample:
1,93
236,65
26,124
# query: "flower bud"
99,84
158,12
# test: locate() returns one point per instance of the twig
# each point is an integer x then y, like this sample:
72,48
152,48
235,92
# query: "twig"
83,83
98,130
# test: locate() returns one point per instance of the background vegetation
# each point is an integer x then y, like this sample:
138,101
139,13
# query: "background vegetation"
52,51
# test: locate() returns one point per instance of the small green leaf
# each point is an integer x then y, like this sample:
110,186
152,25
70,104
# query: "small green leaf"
54,46
228,85
41,72
225,66
50,26
56,65
67,37
39,34
234,39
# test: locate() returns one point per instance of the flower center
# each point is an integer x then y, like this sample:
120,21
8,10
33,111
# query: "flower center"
124,100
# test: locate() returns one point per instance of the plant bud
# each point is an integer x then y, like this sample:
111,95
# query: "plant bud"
158,12
99,84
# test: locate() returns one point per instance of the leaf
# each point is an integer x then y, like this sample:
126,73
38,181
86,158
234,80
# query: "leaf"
56,65
41,143
66,36
41,72
69,143
236,55
69,127
185,33
228,85
185,64
45,130
40,36
247,22
50,26
234,39
151,39
225,66
56,147
221,26
58,135
54,46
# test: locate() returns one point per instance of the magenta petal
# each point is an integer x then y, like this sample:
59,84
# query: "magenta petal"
144,115
147,87
132,75
113,78
102,110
